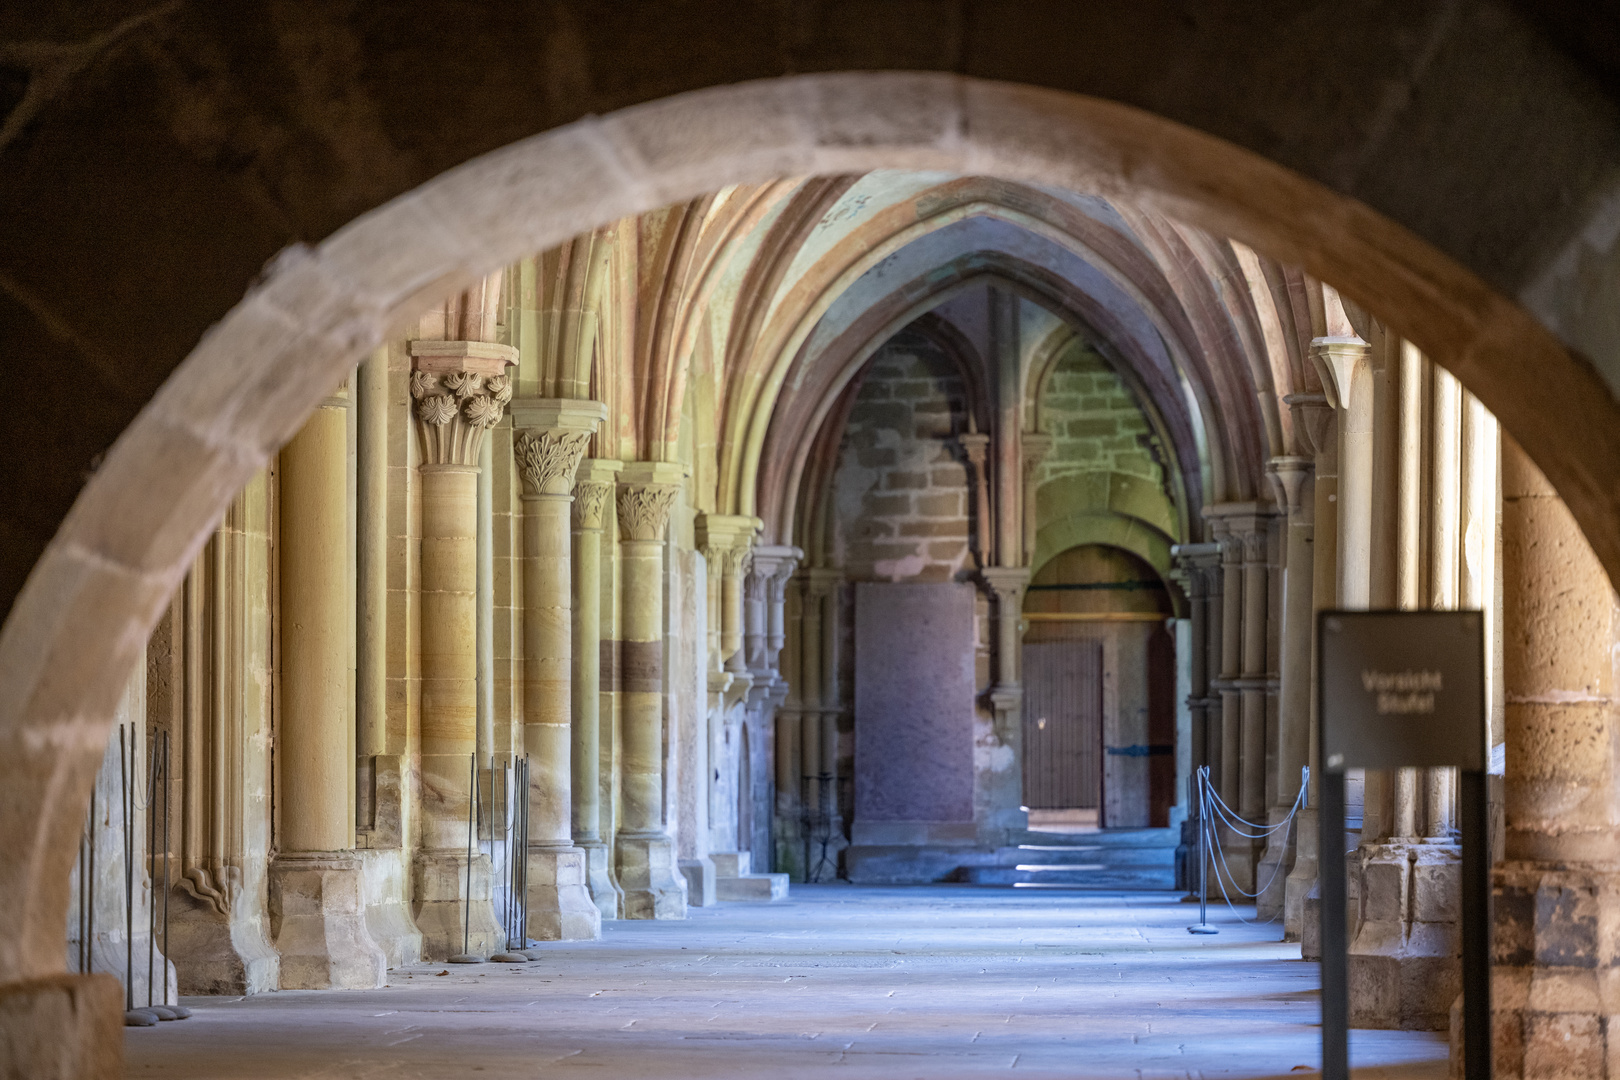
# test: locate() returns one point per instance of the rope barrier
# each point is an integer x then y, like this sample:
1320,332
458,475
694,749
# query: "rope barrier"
1212,809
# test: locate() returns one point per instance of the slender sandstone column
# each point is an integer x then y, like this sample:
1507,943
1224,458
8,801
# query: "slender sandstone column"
1006,696
1291,476
552,437
593,493
317,902
1315,422
653,887
461,390
818,589
787,838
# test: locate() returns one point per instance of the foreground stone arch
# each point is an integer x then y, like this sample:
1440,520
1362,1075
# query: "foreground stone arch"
77,625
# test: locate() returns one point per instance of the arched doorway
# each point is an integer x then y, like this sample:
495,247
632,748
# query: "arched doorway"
1099,675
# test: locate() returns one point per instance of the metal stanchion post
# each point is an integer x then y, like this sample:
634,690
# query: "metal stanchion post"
1203,926
465,956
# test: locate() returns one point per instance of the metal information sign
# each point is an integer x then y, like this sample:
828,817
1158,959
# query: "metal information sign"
1399,689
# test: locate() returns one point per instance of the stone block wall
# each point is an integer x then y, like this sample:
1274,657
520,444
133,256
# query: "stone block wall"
1095,422
902,494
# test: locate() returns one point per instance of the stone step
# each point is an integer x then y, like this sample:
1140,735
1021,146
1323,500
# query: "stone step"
1071,856
1113,838
752,887
1078,877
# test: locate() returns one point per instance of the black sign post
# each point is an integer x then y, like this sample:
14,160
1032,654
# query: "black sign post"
1403,689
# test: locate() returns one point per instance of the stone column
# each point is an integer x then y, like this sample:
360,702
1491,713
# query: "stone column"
787,838
770,568
1006,584
1198,562
553,434
1315,422
594,482
819,583
652,884
1037,444
461,390
1556,974
1291,477
317,902
1346,374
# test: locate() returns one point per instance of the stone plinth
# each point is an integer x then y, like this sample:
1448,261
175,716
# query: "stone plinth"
440,882
317,917
1405,961
560,906
62,1027
647,874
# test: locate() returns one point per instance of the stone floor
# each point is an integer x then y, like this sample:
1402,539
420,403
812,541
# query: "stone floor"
933,982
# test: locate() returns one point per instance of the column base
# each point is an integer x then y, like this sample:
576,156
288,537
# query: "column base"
1405,960
1555,985
68,1026
1241,861
652,887
599,880
445,911
1302,878
317,920
700,875
788,840
560,904
1272,875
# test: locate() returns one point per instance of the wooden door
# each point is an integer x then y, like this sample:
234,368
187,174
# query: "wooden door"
1063,694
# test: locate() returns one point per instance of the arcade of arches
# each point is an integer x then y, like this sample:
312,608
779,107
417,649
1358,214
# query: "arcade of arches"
527,461
837,529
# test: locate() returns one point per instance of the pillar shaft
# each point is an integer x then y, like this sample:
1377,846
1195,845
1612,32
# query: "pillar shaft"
593,494
1314,422
316,889
653,888
553,435
460,390
316,652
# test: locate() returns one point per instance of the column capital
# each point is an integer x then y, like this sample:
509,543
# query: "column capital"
594,482
647,491
461,389
1005,581
1313,423
1342,362
821,581
974,445
1037,444
775,563
726,541
1288,476
552,436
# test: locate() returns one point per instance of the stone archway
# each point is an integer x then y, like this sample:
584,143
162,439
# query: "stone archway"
81,620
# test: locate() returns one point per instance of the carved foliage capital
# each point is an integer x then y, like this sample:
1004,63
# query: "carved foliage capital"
548,459
591,502
644,510
453,411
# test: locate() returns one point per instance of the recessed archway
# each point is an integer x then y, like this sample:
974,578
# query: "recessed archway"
83,616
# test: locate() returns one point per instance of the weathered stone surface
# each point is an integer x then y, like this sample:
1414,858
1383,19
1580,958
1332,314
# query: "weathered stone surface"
914,689
62,1027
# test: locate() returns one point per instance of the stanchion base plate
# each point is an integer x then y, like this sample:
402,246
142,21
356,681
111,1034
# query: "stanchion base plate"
1202,928
509,958
466,958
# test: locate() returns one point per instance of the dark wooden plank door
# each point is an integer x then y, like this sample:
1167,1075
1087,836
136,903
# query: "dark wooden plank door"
1063,725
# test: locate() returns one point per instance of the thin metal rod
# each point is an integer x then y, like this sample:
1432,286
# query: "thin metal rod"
168,785
1335,963
1476,925
129,875
1203,848
466,903
90,906
151,868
